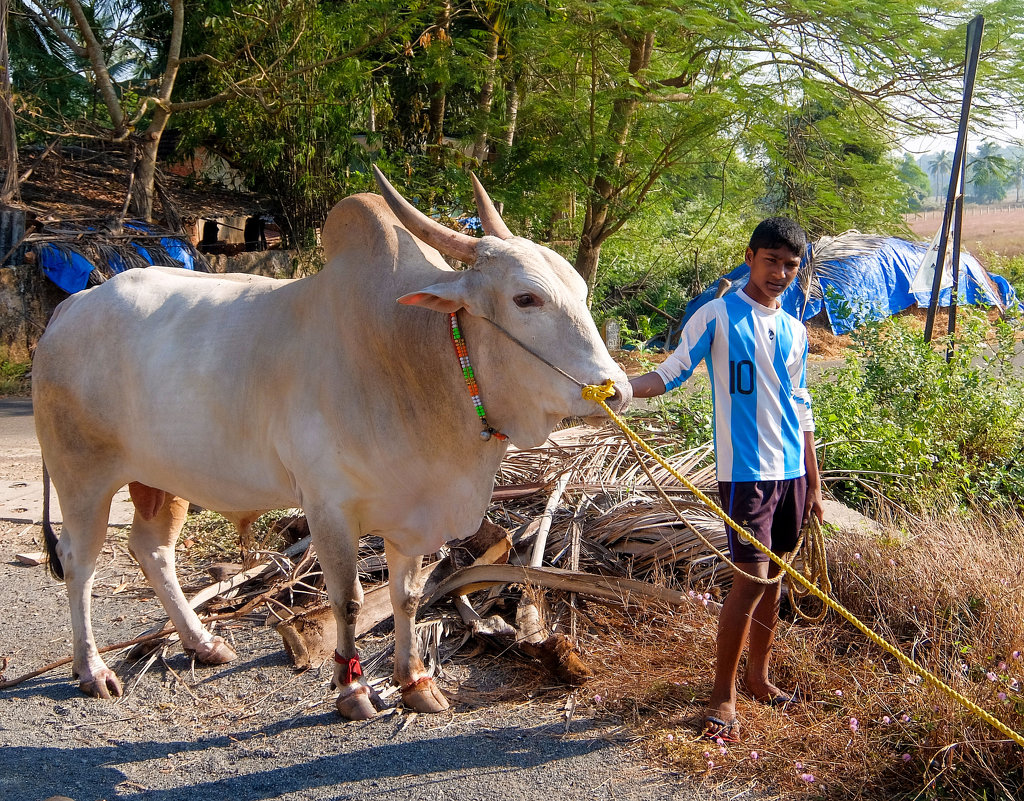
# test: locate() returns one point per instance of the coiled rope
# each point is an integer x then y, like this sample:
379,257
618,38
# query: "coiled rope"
600,393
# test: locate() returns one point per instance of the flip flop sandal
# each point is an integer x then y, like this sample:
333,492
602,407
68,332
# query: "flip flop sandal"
716,729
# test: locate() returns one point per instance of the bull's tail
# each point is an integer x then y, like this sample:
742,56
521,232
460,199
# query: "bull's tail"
49,537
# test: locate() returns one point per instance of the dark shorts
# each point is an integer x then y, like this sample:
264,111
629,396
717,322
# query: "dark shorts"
772,510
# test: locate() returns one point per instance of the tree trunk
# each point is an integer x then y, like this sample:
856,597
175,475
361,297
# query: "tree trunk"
596,224
588,254
438,90
485,100
141,205
512,110
435,118
8,135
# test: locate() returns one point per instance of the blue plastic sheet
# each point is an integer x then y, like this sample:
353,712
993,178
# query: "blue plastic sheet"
70,271
874,285
67,269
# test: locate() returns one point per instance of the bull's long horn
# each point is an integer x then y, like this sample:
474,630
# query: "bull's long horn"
449,242
489,217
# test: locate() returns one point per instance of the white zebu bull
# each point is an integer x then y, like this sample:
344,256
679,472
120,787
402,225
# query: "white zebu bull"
325,393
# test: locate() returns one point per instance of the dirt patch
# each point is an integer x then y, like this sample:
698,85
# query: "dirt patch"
637,362
823,343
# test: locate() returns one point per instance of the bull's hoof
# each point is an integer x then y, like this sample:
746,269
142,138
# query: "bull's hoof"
422,695
215,652
354,703
103,684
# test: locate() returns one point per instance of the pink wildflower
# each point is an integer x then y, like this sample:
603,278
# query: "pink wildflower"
991,676
905,757
807,777
854,725
1001,696
886,720
753,755
905,718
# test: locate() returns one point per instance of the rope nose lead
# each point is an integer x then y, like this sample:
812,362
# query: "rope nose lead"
599,392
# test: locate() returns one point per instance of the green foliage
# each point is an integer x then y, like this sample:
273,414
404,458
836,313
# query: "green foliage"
1010,267
915,181
602,117
828,165
14,377
901,421
673,248
691,413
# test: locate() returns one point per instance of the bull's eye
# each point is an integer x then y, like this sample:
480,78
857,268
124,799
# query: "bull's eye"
525,300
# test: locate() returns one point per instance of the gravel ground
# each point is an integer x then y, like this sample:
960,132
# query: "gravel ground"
256,729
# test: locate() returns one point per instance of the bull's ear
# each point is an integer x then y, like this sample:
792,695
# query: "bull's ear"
445,298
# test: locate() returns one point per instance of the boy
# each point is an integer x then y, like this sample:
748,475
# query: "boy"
764,449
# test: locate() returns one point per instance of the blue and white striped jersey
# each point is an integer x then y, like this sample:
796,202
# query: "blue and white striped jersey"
757,359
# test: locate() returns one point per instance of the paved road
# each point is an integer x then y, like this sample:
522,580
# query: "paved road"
16,427
21,470
255,730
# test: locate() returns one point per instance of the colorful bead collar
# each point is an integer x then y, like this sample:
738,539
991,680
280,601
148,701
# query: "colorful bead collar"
467,373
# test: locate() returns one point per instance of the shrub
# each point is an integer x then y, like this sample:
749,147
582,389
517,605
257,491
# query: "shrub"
901,421
14,377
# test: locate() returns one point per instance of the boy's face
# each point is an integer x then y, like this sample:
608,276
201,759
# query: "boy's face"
772,270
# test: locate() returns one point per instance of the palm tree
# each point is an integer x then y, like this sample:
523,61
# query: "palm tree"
989,171
1017,169
940,171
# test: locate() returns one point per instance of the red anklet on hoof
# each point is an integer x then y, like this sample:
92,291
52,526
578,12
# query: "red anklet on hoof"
415,684
352,667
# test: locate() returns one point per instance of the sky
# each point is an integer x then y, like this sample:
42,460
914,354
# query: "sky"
1011,133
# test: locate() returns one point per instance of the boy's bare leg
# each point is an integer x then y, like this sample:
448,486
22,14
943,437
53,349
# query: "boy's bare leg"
733,628
762,636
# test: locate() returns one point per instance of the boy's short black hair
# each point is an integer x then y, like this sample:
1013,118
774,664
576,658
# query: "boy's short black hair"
779,232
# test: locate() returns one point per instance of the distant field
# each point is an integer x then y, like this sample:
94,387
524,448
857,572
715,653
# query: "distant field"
995,229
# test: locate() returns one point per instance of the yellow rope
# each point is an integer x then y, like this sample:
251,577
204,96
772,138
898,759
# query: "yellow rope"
599,394
815,569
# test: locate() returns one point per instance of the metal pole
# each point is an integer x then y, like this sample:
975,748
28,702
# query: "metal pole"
974,30
958,223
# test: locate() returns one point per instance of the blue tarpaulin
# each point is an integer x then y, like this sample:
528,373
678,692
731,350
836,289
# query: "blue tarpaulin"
872,285
68,267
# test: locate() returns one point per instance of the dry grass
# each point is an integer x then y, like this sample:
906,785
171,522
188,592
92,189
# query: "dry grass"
949,593
984,228
209,537
823,343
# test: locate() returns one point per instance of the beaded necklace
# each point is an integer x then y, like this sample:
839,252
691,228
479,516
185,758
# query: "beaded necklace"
467,373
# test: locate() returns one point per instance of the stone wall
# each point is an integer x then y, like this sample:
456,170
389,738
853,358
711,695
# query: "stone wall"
27,299
271,263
